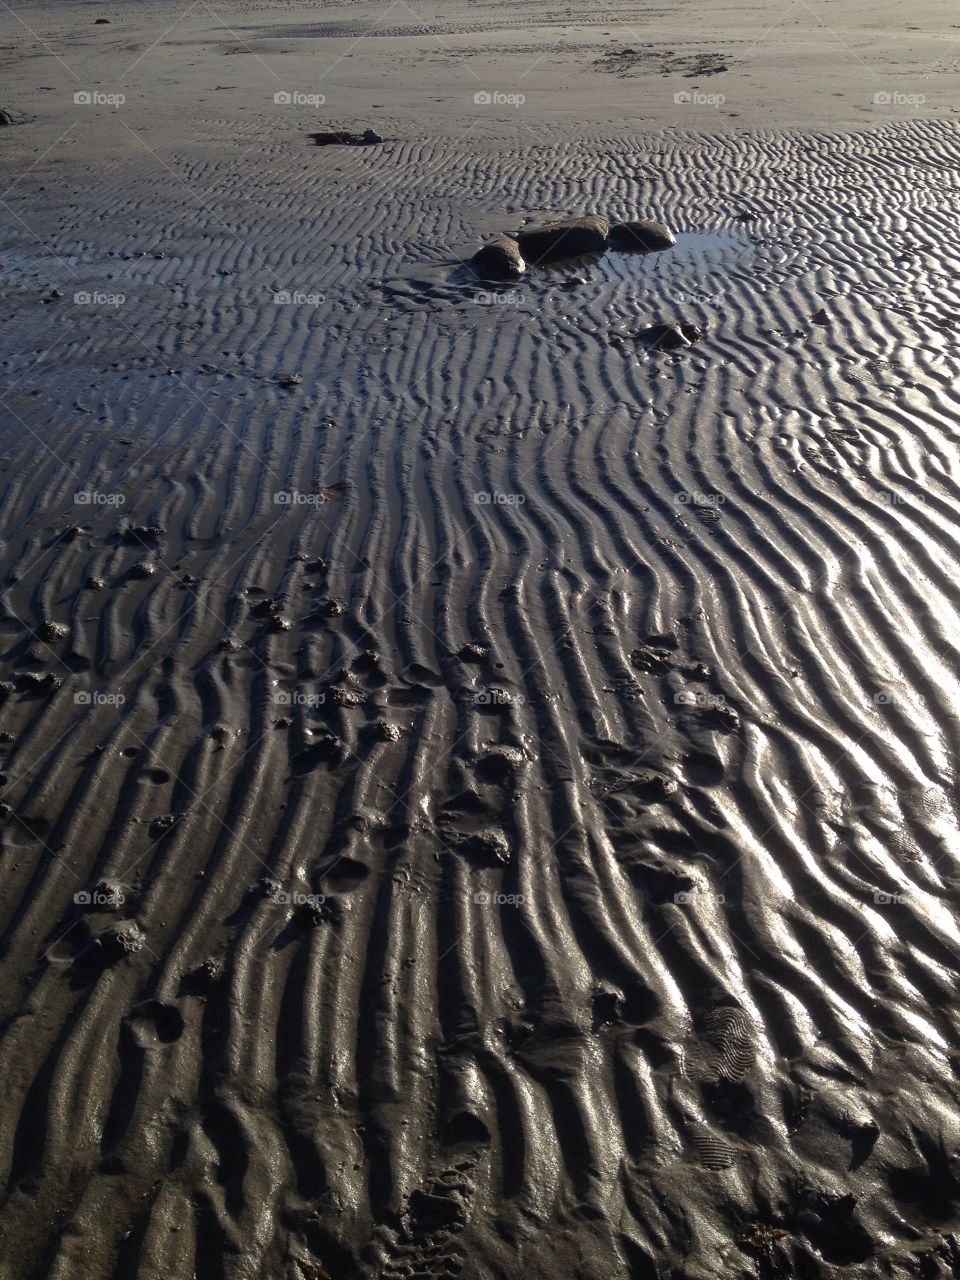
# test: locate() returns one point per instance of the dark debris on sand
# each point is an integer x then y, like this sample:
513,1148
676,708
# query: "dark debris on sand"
344,138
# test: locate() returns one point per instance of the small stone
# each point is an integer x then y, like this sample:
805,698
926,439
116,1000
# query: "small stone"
472,653
670,337
644,236
143,534
501,259
342,696
487,848
166,822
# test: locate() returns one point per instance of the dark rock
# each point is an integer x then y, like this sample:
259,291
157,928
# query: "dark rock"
101,22
648,658
644,236
33,682
280,623
143,569
386,731
339,695
821,317
343,138
499,260
51,631
367,661
486,848
471,653
570,238
166,822
94,584
143,534
670,337
266,608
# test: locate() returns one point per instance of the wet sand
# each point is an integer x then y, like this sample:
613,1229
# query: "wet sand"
479,791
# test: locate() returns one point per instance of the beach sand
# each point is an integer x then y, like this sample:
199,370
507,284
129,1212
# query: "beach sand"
479,790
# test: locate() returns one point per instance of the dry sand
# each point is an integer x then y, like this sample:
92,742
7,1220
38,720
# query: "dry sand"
624,943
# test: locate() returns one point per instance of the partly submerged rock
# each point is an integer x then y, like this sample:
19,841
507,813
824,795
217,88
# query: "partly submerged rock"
644,236
569,238
343,138
143,534
501,259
